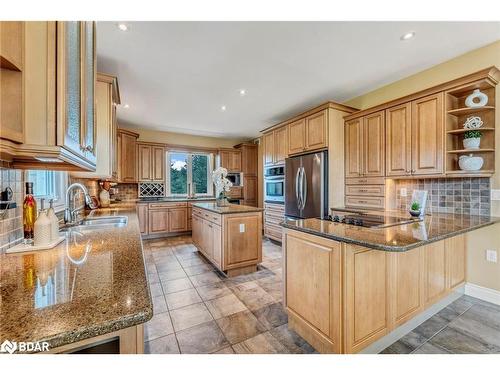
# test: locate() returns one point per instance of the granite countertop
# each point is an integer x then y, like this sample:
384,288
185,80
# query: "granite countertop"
230,209
404,237
167,199
93,283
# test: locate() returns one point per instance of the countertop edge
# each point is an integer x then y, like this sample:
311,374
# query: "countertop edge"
244,211
384,247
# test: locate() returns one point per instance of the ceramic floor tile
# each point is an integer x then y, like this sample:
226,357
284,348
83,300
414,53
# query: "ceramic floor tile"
176,285
489,315
406,344
240,326
156,289
476,329
183,298
190,316
203,338
213,291
205,278
460,305
429,348
225,306
226,350
447,314
272,316
163,345
196,270
153,278
172,275
168,266
190,262
431,326
456,342
159,326
291,340
254,298
264,343
159,304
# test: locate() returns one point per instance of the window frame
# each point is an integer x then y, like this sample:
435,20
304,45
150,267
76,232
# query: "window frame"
58,189
190,154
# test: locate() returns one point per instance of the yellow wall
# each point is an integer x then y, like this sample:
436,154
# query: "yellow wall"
479,271
147,135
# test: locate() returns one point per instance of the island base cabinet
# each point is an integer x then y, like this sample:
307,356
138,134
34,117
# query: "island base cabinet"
313,294
343,297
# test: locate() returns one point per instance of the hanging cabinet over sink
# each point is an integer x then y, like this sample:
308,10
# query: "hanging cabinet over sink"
58,98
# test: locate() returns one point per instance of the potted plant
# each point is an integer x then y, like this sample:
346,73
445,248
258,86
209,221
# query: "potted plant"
472,139
415,209
222,186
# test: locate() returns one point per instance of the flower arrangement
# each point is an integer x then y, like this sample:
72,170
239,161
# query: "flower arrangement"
222,184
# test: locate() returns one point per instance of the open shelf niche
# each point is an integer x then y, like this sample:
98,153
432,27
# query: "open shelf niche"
456,115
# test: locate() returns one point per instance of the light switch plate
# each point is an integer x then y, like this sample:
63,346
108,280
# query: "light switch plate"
491,256
242,228
495,194
403,192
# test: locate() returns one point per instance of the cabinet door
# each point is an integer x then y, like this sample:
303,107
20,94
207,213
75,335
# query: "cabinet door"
398,140
313,278
127,158
316,131
373,144
297,137
89,77
142,213
353,147
427,135
207,239
235,165
158,221
114,143
435,272
250,188
145,168
177,219
268,148
195,231
225,159
455,261
158,161
217,245
280,145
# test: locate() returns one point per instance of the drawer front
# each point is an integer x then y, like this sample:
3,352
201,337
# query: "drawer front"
274,219
153,206
365,180
365,202
279,208
211,217
273,232
370,190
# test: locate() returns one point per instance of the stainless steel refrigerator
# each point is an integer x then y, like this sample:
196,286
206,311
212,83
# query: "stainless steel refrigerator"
306,185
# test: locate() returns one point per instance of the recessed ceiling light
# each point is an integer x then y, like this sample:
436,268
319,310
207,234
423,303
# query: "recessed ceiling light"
223,108
243,92
126,106
408,36
122,27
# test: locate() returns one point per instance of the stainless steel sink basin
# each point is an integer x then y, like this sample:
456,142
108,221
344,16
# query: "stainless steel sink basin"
99,222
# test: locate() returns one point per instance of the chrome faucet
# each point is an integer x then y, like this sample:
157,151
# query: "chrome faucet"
69,212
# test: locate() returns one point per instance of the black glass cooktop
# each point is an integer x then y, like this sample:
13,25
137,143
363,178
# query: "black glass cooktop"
370,220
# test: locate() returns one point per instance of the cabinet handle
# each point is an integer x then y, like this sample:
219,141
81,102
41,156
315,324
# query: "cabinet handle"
363,201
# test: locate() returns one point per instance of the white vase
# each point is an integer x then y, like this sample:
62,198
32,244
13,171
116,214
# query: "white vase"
470,162
104,198
476,95
472,143
42,229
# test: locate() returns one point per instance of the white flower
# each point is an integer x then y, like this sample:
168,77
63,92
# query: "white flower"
221,183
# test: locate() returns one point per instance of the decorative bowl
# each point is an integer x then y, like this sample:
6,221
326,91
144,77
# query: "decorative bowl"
470,162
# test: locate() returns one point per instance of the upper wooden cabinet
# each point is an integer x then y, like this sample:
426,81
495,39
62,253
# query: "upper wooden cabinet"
56,97
317,131
398,140
353,147
127,160
268,140
231,160
297,136
248,158
280,145
150,162
107,98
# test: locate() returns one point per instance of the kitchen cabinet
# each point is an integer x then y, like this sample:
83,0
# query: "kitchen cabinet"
249,161
143,216
268,140
164,218
398,140
107,98
127,159
280,145
158,221
373,151
231,160
150,162
297,136
250,190
177,218
316,131
353,147
435,272
274,214
428,135
456,261
50,118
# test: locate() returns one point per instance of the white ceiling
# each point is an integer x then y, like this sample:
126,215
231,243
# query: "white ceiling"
175,76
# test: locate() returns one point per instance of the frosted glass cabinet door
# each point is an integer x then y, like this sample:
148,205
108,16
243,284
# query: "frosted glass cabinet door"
90,78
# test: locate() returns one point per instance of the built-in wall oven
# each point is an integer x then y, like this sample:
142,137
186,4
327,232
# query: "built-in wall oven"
274,184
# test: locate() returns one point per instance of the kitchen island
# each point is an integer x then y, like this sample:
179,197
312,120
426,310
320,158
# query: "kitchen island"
348,287
230,237
88,294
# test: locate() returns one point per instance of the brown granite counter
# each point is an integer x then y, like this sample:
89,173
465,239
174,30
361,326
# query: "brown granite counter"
404,237
91,284
230,209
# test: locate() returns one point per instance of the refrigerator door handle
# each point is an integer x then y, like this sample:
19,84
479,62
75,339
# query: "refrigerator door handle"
303,189
297,195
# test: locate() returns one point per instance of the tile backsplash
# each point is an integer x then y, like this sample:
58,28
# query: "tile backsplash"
125,192
11,226
450,195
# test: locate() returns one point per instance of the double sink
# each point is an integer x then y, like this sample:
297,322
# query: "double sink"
101,222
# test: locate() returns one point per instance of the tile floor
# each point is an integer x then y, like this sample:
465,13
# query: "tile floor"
199,310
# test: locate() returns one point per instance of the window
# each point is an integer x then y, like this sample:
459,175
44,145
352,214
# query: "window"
48,185
189,173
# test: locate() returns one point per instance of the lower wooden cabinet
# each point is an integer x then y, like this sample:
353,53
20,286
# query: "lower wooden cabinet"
142,213
177,218
158,221
376,291
163,218
274,214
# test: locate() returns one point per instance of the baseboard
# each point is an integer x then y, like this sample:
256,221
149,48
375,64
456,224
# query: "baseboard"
486,294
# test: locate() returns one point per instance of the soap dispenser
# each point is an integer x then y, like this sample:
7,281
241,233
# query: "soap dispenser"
54,233
42,227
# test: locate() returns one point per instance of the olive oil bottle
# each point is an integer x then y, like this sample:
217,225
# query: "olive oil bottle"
29,214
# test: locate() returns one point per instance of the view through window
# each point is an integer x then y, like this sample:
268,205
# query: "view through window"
48,185
189,173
